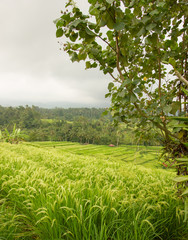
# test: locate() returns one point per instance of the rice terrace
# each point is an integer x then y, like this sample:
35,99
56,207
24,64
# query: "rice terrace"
101,155
63,190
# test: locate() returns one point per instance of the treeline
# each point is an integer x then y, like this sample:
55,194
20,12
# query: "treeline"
70,114
28,117
82,125
81,130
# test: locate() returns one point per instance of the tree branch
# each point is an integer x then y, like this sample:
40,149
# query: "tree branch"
181,78
114,77
164,129
117,56
108,72
159,67
106,43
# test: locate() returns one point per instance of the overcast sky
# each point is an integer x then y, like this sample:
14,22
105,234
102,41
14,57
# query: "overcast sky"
33,70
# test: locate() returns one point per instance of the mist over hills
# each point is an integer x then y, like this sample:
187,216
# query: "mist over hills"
53,104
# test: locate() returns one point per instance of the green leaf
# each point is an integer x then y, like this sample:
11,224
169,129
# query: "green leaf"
107,95
93,10
185,192
186,209
137,90
89,32
110,35
74,57
175,107
82,56
132,3
89,38
92,25
94,51
152,39
151,26
141,32
119,26
186,144
110,1
172,62
154,12
161,4
59,32
182,159
185,91
185,119
167,109
165,62
133,98
181,179
73,37
145,19
110,86
180,164
88,64
60,23
180,125
66,17
136,81
110,23
94,65
76,22
102,23
127,81
168,43
122,94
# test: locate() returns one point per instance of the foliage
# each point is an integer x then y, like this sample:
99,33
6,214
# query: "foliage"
82,125
70,114
67,196
182,163
135,42
14,137
183,182
138,43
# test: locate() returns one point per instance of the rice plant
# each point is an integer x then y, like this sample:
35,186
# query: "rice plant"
59,195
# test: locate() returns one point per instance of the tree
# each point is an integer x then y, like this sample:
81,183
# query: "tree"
135,42
143,46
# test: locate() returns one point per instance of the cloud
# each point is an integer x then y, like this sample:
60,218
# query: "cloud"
32,68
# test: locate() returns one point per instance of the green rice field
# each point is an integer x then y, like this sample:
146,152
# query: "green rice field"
70,191
140,155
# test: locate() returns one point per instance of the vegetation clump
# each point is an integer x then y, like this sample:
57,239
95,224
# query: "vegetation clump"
12,137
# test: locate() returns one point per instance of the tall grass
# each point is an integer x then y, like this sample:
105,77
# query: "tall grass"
49,195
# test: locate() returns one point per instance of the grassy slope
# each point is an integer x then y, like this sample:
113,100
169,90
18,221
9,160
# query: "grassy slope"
50,193
140,155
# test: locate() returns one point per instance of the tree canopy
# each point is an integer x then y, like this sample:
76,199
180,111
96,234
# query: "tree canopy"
143,46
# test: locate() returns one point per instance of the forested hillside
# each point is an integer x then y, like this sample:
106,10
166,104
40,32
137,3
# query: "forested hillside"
28,116
84,125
